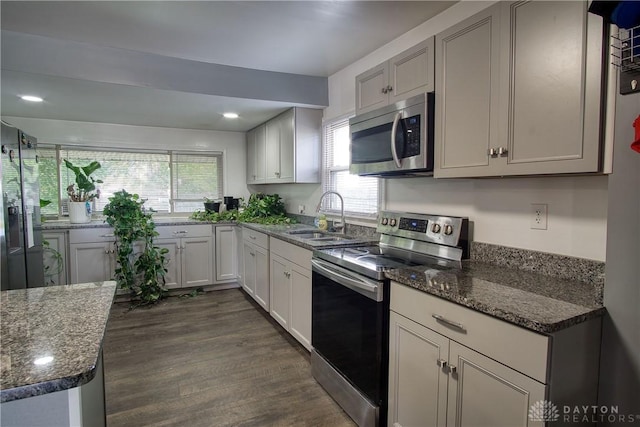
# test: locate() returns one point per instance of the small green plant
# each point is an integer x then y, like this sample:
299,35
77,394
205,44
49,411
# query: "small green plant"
85,187
141,273
265,209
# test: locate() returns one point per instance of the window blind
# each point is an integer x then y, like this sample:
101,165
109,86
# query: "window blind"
360,194
48,178
195,176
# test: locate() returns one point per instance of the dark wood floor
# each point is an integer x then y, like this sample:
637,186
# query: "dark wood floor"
211,360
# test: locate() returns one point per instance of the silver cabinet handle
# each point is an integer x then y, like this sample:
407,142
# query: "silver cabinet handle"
492,152
502,152
389,88
394,153
441,363
442,319
384,90
180,232
107,235
453,369
252,237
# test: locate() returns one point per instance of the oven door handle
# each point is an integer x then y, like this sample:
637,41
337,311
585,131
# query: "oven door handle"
363,286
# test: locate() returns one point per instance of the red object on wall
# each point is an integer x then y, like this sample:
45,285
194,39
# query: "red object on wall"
635,145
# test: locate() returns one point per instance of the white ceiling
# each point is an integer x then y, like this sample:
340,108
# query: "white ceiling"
311,38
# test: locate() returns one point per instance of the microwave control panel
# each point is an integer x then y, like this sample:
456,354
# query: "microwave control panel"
412,135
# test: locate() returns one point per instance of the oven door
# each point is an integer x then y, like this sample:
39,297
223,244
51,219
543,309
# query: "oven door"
350,326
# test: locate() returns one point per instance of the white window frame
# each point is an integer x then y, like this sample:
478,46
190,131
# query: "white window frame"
326,206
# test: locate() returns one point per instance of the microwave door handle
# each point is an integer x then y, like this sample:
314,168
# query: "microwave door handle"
394,128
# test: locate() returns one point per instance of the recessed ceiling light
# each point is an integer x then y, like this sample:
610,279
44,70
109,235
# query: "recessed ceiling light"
31,98
230,115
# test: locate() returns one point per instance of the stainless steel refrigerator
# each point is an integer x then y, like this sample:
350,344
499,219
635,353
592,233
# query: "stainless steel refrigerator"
21,238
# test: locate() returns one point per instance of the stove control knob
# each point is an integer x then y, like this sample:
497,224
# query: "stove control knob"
392,222
435,228
448,229
384,221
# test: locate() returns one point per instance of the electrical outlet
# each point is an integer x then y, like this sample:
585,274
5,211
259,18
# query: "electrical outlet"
538,216
300,209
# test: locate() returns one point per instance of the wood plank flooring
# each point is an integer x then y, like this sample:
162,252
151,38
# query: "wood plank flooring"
212,360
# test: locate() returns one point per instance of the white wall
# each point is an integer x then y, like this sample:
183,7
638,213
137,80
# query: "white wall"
499,208
89,134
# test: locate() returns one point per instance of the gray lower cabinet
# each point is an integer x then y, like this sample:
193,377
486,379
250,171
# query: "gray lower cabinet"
226,253
91,255
255,279
55,258
484,372
290,289
518,91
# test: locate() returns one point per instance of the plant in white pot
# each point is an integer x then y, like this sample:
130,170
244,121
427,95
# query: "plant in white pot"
82,193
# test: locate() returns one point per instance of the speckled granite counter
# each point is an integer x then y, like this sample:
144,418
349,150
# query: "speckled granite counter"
281,232
534,301
66,323
100,223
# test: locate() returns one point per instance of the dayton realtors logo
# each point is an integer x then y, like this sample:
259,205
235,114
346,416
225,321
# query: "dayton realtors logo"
546,411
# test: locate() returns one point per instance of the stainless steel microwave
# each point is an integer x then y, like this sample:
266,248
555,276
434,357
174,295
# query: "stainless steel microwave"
395,140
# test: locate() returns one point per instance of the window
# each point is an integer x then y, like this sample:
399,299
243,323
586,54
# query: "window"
360,193
168,181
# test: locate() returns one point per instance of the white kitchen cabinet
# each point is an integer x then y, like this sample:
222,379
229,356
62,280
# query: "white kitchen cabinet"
91,255
191,255
256,161
290,289
533,104
291,149
256,266
484,371
403,76
226,253
55,258
239,254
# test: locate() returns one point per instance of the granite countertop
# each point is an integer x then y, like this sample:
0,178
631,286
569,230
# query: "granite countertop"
65,323
280,231
534,301
64,224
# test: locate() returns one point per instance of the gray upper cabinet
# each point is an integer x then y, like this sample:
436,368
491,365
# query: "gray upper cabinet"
518,91
403,76
286,149
256,164
467,84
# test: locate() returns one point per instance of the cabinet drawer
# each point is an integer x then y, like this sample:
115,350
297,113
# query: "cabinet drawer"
175,231
255,237
89,235
293,253
519,348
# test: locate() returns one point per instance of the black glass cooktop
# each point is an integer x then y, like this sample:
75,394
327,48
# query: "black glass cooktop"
373,261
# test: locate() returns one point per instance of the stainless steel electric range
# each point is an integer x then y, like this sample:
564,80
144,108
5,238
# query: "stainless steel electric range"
350,305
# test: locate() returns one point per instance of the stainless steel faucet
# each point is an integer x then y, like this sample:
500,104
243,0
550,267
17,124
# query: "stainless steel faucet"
337,225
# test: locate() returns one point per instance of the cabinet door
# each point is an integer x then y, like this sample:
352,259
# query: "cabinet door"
173,275
261,152
226,259
371,88
252,157
483,392
417,374
287,146
412,72
239,254
272,151
249,275
55,258
300,322
467,96
197,261
280,290
91,262
261,294
552,58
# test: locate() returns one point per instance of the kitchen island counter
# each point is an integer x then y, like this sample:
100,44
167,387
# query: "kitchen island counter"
52,337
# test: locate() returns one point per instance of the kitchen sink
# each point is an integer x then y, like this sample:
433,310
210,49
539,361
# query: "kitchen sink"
318,236
331,239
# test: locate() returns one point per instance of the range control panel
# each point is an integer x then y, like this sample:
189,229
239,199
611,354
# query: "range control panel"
444,230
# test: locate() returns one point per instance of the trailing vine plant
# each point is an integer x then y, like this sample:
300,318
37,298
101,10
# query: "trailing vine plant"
142,273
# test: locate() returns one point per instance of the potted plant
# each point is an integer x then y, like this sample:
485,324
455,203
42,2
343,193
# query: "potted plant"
141,265
82,193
